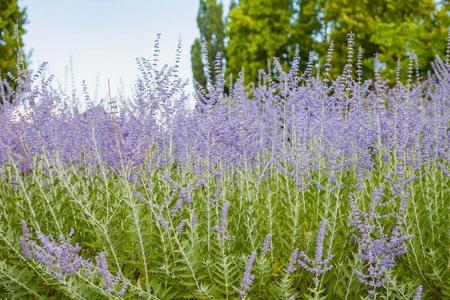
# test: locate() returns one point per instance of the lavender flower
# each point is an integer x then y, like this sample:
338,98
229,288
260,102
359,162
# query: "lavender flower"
25,229
248,277
266,248
377,249
320,241
61,258
316,266
222,230
200,183
290,268
161,220
110,282
185,194
419,292
24,244
178,205
180,227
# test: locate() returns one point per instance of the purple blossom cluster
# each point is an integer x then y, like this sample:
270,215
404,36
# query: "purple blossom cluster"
378,250
248,277
111,282
60,257
222,232
180,195
304,121
418,294
293,260
316,266
267,247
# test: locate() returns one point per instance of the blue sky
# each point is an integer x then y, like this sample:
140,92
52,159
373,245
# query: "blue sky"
104,37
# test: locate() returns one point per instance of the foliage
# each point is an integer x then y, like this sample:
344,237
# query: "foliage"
258,30
212,33
191,262
397,29
257,33
307,25
12,21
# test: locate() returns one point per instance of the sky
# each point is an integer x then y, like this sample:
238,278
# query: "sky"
103,38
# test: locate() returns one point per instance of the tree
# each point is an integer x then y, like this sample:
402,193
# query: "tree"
12,21
307,25
395,29
258,30
212,32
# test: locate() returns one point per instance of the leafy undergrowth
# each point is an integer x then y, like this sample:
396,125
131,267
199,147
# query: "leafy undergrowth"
171,234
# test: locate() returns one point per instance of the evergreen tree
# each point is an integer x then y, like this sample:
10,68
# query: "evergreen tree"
258,30
12,20
212,32
307,25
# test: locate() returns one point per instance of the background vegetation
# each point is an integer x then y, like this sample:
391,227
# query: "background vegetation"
255,31
12,21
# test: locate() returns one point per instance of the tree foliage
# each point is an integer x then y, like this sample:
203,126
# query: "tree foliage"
395,29
258,30
212,32
12,21
307,24
401,31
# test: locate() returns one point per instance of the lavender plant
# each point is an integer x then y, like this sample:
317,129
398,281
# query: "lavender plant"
111,282
378,249
175,196
248,277
61,258
318,265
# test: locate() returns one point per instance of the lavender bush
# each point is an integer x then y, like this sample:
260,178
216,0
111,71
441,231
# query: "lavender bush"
221,201
61,258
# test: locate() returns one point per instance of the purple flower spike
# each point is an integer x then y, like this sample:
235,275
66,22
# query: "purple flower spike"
377,249
61,258
248,277
222,230
266,246
318,265
111,282
24,244
320,241
180,227
419,292
290,268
